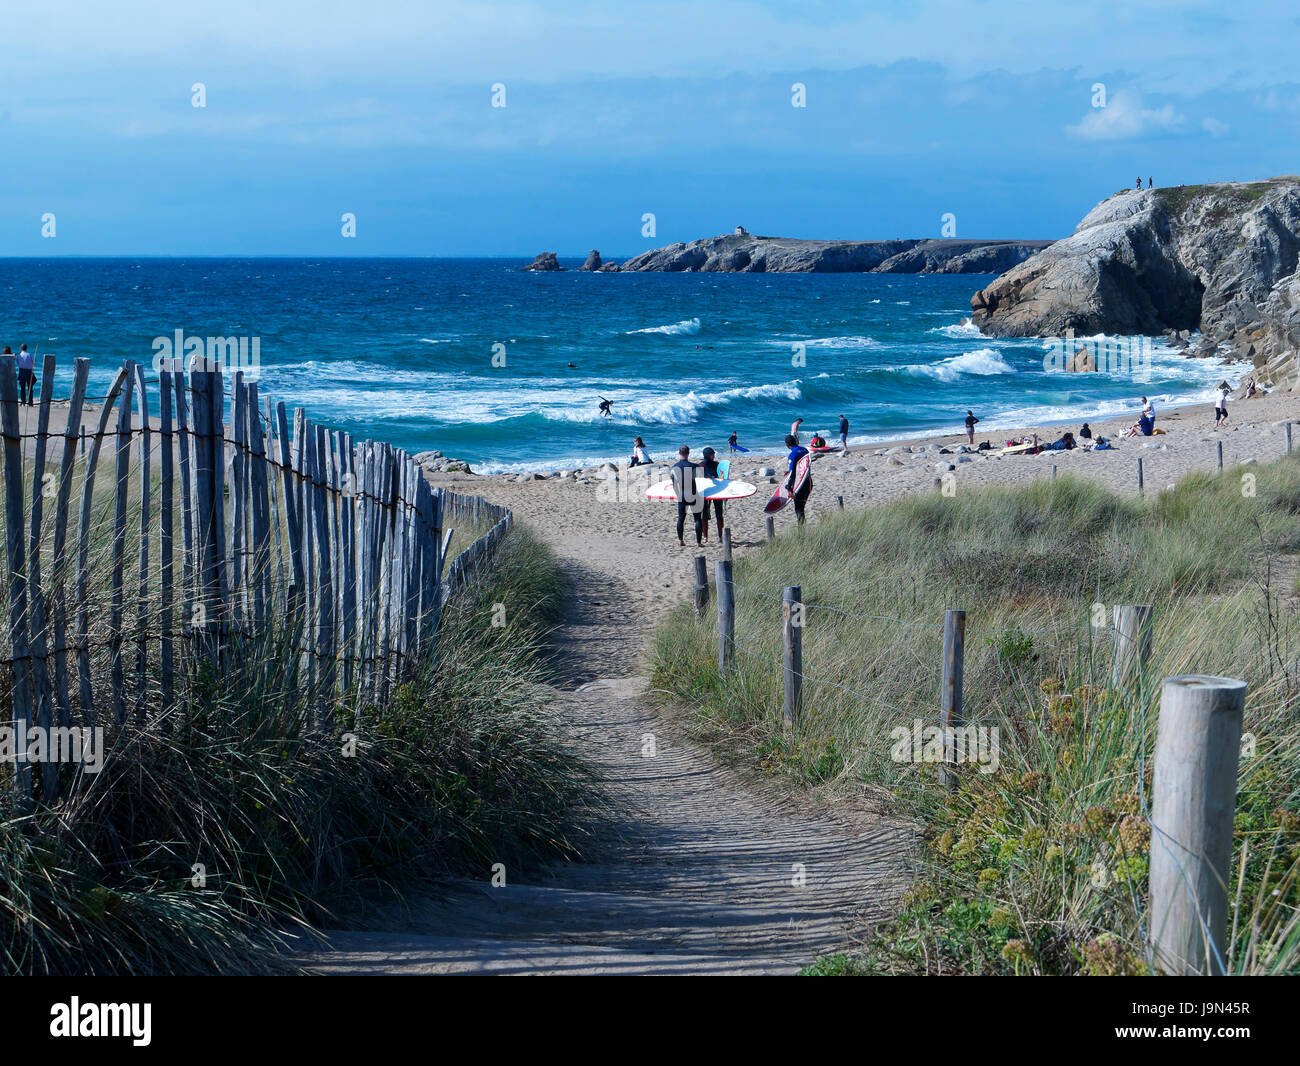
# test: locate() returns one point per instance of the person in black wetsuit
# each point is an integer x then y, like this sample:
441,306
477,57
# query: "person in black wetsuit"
682,473
605,407
709,468
797,452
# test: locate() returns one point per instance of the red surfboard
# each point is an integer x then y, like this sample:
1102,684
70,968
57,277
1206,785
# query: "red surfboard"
782,495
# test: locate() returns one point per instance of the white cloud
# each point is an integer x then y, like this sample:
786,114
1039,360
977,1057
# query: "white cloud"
1214,127
1125,119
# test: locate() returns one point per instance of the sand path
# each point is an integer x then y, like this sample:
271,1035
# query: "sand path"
702,872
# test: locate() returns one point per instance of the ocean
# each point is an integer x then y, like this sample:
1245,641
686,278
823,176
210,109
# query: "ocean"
505,369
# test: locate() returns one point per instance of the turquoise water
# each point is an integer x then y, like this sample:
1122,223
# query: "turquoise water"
403,350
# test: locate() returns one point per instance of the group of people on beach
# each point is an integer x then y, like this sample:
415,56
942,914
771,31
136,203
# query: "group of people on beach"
26,362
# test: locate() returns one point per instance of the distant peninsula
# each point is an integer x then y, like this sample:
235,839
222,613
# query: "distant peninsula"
742,252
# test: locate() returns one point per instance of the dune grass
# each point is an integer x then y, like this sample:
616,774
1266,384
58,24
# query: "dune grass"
1039,867
205,836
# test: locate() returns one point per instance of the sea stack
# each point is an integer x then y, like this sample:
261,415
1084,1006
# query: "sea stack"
545,261
593,261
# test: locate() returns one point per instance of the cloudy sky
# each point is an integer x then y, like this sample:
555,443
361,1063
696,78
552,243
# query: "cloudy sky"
984,109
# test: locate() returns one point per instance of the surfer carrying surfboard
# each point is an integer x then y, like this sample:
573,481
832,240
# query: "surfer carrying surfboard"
709,468
682,473
799,492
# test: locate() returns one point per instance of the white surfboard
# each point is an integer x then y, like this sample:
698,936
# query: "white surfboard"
707,488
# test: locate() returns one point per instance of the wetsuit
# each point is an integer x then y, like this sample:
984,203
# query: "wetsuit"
682,473
805,490
709,468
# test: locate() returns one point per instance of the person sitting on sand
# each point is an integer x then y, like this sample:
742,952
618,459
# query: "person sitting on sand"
1086,432
1251,388
640,457
1146,422
818,441
709,468
970,427
797,452
683,478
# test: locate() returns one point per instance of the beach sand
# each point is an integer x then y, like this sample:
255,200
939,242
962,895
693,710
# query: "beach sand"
623,548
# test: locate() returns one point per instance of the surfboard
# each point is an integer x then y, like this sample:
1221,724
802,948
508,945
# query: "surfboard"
828,448
707,488
738,448
782,495
1015,449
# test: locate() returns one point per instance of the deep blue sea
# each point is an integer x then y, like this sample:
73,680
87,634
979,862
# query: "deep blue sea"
402,350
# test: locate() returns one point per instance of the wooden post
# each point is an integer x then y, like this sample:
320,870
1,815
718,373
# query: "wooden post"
1053,471
726,544
792,638
166,546
1140,488
701,586
726,613
840,500
1288,438
771,528
1193,800
1132,643
16,549
1218,446
950,692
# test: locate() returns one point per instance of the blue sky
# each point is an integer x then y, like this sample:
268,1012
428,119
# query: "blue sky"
982,108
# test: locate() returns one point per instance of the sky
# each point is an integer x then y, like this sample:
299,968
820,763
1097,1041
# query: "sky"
1014,119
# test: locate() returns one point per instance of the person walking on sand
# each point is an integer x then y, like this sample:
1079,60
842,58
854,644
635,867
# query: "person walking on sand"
682,473
794,429
844,434
26,376
797,452
733,442
709,468
970,427
1221,405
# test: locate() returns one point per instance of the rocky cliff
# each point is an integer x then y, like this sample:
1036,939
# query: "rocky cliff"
743,252
1219,258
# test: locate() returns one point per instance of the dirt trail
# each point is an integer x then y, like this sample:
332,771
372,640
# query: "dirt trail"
699,874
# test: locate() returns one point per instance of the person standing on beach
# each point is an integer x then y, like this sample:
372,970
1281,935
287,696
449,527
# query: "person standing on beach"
844,434
1221,406
683,478
709,468
970,426
733,442
794,429
26,376
797,452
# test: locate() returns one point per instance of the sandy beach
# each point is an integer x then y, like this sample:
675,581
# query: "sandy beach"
623,548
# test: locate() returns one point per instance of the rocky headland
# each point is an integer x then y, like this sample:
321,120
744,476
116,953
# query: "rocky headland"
1219,258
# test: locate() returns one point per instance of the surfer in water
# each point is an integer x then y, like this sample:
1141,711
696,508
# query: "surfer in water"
682,473
605,406
797,452
709,468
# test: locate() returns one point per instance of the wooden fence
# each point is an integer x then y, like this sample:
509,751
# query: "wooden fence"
241,532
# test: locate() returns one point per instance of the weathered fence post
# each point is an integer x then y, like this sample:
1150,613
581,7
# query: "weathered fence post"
15,549
950,691
1193,800
726,543
726,613
840,500
1218,446
1288,438
792,639
1132,643
1141,491
701,586
770,523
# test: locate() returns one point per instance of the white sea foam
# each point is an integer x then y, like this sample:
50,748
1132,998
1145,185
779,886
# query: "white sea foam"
983,362
687,327
672,410
963,329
